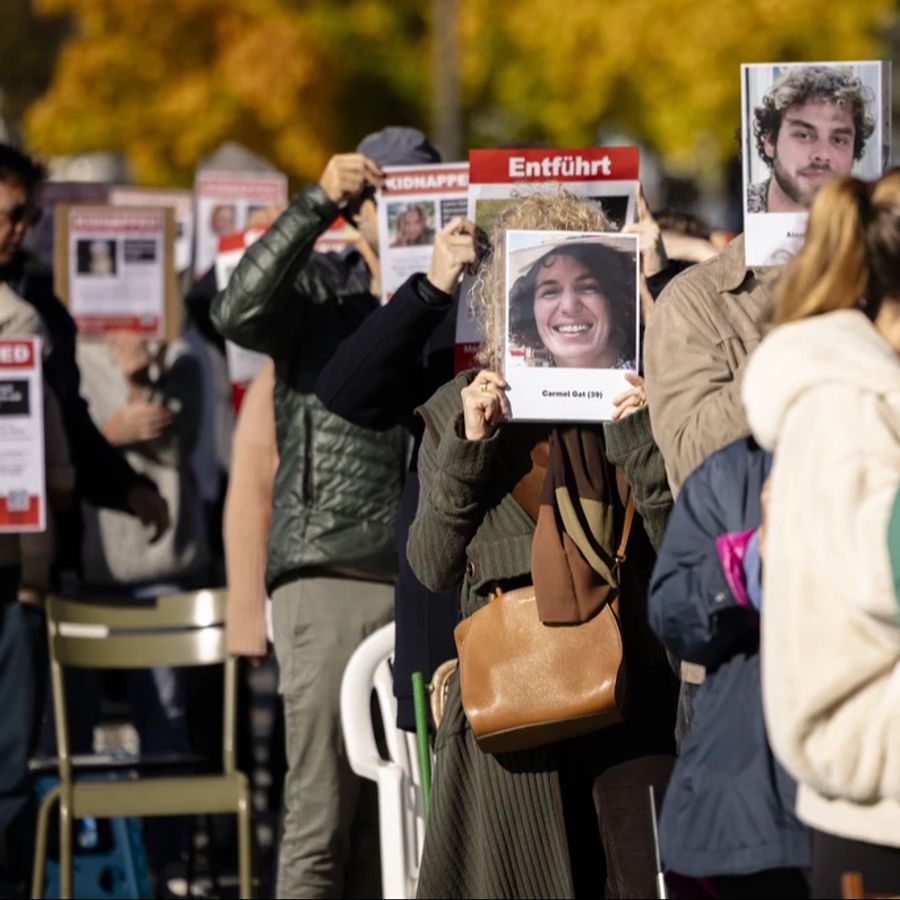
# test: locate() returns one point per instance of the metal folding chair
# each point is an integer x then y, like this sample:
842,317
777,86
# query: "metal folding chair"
176,630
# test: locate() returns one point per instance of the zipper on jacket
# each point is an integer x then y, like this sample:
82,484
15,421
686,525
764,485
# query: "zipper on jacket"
307,456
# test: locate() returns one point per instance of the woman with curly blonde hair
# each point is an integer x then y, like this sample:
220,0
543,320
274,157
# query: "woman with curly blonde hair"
569,818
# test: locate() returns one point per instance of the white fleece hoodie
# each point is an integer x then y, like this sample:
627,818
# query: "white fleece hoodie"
824,394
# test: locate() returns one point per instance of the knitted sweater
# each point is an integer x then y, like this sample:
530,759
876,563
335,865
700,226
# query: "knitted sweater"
495,827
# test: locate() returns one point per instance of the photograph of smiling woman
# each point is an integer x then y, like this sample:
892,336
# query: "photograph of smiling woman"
574,306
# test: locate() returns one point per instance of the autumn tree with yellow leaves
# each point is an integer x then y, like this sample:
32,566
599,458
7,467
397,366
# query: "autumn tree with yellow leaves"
296,80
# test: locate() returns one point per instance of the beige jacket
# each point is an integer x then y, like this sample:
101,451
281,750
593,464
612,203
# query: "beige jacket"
704,326
824,393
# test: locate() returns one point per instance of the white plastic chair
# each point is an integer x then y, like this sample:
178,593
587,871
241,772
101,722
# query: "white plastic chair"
400,818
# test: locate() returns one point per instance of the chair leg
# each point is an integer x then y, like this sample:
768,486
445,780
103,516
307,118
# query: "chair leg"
40,843
245,855
65,846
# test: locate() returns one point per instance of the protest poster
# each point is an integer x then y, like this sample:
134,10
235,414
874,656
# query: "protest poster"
242,364
114,267
497,178
413,205
571,323
337,238
801,125
22,486
224,203
181,201
51,194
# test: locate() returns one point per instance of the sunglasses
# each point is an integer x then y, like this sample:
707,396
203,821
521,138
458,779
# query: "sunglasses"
22,212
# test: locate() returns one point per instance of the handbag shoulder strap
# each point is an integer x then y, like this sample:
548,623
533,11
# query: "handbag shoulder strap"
626,529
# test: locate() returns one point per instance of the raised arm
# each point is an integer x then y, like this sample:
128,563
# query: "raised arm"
454,474
258,309
379,374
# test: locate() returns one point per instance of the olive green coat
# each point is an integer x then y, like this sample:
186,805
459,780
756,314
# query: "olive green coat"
496,827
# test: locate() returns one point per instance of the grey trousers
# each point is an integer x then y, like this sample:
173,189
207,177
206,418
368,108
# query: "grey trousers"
329,846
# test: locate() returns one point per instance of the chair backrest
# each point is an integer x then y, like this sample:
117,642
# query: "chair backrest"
124,633
401,820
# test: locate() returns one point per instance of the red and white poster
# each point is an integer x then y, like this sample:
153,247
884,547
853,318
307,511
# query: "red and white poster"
118,268
243,364
413,205
339,236
22,490
497,178
181,201
225,201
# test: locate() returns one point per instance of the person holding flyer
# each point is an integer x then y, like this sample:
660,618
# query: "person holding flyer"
332,541
524,823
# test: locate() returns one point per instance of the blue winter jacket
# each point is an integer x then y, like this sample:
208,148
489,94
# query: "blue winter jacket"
728,809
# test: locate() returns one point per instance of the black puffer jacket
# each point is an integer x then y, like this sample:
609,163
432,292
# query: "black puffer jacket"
338,485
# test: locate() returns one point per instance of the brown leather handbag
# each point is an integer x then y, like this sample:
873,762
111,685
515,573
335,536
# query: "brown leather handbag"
525,684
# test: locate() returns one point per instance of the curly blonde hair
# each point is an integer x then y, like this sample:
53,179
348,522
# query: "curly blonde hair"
559,211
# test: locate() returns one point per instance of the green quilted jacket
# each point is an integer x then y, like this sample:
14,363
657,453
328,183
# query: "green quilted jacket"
338,485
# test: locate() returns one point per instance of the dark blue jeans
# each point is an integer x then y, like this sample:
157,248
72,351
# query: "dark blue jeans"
23,678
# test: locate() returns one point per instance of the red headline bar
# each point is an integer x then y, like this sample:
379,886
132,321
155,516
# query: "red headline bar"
587,164
428,180
16,354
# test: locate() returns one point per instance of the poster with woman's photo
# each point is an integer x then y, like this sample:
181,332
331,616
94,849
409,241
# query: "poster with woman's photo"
498,178
802,125
115,268
571,321
413,205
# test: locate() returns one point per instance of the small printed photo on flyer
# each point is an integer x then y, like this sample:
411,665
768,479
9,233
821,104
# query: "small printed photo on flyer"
96,256
411,224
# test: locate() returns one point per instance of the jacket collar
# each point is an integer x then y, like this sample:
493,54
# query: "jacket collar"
732,271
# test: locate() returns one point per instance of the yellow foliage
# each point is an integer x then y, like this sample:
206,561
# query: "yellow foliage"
299,79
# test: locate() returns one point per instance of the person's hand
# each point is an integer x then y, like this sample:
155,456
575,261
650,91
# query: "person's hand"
454,248
629,401
138,421
151,508
653,253
484,405
129,351
348,175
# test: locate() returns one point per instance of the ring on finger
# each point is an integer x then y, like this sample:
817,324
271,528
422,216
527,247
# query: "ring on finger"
485,386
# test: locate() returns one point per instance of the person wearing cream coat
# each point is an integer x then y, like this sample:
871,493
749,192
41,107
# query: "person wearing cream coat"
824,394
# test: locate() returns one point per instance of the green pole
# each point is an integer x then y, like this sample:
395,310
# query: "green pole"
418,684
